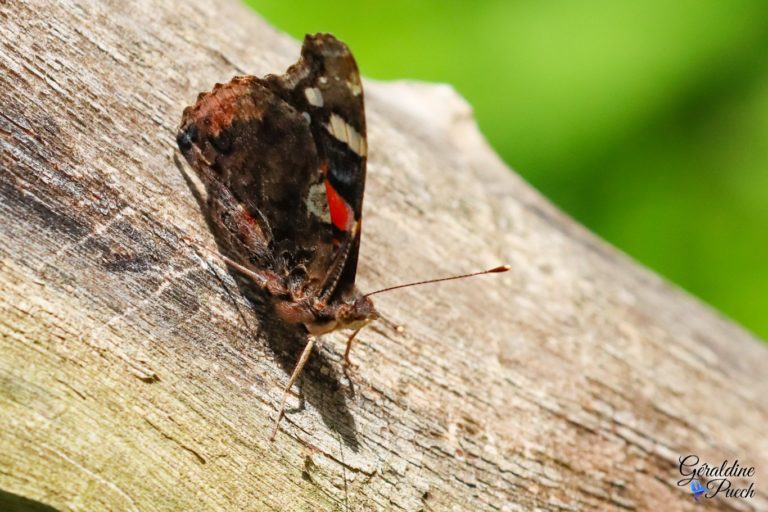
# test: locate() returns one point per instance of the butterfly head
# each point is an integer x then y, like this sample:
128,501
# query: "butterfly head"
356,313
352,313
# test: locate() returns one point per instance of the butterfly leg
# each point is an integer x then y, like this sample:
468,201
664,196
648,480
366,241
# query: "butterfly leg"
347,362
348,366
256,277
296,373
263,279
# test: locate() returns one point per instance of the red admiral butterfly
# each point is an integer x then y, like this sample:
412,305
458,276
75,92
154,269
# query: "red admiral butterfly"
283,162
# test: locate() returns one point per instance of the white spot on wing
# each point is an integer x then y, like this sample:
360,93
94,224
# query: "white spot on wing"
317,202
314,96
345,133
354,87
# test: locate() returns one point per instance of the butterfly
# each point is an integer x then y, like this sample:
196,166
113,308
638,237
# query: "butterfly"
283,161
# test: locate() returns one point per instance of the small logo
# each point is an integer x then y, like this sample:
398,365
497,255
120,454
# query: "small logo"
727,480
697,489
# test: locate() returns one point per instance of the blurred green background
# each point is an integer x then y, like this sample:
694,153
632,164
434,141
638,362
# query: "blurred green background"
646,121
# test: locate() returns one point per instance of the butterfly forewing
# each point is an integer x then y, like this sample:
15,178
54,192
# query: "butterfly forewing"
326,85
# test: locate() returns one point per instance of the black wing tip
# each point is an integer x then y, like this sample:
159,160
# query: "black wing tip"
324,43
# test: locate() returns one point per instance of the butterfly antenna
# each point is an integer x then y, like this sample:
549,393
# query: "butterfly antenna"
495,270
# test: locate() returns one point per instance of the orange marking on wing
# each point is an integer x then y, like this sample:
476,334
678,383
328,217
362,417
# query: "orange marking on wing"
341,213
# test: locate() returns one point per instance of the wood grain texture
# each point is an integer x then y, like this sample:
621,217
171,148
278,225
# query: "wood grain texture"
134,376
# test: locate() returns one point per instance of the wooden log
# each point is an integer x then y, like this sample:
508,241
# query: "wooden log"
134,375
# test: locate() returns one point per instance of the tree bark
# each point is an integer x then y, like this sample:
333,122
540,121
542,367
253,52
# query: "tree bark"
135,376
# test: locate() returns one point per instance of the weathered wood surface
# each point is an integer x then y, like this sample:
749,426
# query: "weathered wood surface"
133,375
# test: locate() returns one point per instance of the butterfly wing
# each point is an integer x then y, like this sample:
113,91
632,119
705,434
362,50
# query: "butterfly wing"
325,84
290,150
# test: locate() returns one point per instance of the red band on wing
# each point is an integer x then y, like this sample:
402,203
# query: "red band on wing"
341,213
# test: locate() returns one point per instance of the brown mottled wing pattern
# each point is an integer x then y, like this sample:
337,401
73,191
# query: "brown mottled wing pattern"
289,151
